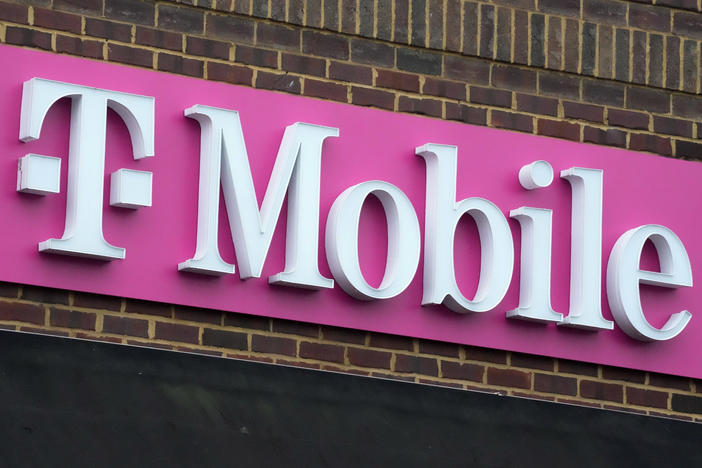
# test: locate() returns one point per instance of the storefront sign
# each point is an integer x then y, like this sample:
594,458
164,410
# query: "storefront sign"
346,216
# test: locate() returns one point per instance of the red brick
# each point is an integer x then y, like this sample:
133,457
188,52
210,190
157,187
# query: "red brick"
467,69
558,129
467,114
130,55
75,46
372,97
512,121
27,37
537,105
44,331
455,370
369,358
224,339
670,381
284,82
304,65
627,375
296,328
273,345
72,319
642,397
230,73
532,362
382,340
195,314
97,301
601,391
430,107
485,354
325,90
13,12
439,347
514,78
672,126
157,38
306,365
353,73
207,48
443,88
397,80
135,306
108,29
256,56
609,137
48,295
22,312
590,112
233,28
628,119
576,367
384,375
508,377
57,20
416,365
125,326
344,335
180,65
559,85
650,143
548,383
325,45
490,97
322,351
93,337
176,332
651,100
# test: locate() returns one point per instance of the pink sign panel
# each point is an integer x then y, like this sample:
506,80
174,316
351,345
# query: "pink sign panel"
638,189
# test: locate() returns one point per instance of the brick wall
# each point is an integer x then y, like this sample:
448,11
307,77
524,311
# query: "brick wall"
616,73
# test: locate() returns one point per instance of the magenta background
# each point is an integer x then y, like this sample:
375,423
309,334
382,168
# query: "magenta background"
373,144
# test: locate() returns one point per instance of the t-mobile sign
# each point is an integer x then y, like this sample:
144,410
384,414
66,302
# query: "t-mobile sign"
141,184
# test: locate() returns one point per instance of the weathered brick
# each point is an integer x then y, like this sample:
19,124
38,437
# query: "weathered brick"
548,383
684,4
131,11
639,52
602,391
691,60
609,137
687,24
372,53
207,48
278,36
503,40
655,60
622,54
513,78
229,73
130,55
27,37
687,106
448,89
369,358
331,15
314,13
322,351
537,56
571,56
560,7
643,397
13,12
125,326
304,65
430,107
273,345
256,56
455,370
325,45
176,332
259,9
589,48
467,69
108,29
181,65
185,20
492,97
604,52
75,46
435,27
508,377
57,20
605,12
224,339
384,20
233,28
521,37
160,39
366,17
325,90
453,25
467,114
558,129
537,105
602,92
397,80
555,43
372,97
22,312
649,18
277,10
353,73
416,365
688,149
418,21
93,7
278,82
628,119
418,61
671,126
348,16
487,29
559,85
652,100
470,28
